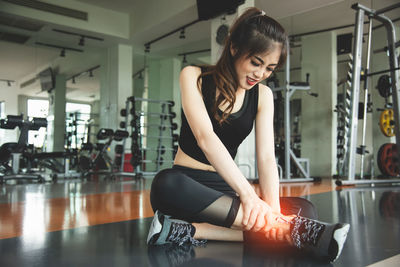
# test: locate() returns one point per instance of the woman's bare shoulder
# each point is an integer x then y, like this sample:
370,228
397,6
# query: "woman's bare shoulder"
265,96
190,71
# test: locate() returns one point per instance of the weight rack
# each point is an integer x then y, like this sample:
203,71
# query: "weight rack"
165,133
361,12
129,109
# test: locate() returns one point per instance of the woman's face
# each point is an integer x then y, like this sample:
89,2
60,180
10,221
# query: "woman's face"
254,69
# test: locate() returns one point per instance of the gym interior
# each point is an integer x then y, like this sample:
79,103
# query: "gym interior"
90,111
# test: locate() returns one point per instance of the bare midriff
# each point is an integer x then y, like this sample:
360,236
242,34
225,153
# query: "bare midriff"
185,160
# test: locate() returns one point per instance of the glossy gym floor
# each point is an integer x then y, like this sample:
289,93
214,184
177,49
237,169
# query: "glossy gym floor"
105,223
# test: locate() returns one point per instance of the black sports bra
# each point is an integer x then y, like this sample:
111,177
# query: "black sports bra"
231,133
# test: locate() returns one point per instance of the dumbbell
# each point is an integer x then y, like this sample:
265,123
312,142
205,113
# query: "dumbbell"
119,149
118,160
173,126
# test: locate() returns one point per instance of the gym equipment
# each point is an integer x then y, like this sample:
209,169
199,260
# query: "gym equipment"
387,157
49,161
159,117
14,152
361,149
173,126
129,105
343,111
100,162
386,122
361,12
74,124
384,86
302,164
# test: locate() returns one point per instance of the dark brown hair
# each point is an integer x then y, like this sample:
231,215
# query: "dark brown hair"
252,33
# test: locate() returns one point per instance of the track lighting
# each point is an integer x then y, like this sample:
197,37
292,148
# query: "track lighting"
181,29
83,73
63,48
147,48
82,41
184,60
7,81
182,34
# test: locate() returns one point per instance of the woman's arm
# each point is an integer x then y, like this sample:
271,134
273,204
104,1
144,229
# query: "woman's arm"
267,168
254,209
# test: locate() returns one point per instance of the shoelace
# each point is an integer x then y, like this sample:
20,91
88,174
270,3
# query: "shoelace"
180,235
309,234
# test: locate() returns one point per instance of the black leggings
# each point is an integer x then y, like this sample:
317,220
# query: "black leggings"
204,196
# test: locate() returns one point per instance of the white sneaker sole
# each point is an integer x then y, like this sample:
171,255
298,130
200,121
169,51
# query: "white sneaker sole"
340,237
155,227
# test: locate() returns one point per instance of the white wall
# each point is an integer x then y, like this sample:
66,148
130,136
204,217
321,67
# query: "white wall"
318,131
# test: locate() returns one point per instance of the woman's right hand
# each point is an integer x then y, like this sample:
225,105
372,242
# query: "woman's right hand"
256,213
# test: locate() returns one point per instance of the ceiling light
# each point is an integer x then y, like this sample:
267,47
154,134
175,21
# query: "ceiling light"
182,34
82,41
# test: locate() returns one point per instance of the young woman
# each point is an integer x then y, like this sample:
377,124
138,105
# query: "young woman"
205,189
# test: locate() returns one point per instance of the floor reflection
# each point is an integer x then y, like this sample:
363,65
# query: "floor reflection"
110,223
227,254
37,214
389,205
373,213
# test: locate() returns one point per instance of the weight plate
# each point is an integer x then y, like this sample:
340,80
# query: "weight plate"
386,122
384,86
388,160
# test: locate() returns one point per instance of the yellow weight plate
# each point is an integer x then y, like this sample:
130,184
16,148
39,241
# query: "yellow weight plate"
386,122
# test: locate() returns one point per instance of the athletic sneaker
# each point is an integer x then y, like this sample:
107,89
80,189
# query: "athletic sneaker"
321,239
164,230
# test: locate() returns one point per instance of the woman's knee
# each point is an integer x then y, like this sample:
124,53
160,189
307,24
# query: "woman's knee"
165,181
164,186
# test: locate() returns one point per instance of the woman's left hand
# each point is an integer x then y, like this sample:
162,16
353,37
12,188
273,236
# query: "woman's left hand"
280,229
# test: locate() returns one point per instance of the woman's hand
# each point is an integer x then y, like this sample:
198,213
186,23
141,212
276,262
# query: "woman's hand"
256,213
279,230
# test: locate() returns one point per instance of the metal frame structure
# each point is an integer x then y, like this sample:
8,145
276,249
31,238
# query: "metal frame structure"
121,172
289,91
378,15
165,114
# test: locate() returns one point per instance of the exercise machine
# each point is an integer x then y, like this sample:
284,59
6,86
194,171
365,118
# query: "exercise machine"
100,163
355,77
303,164
16,152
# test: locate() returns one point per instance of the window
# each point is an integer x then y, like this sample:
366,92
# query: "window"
2,110
77,120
